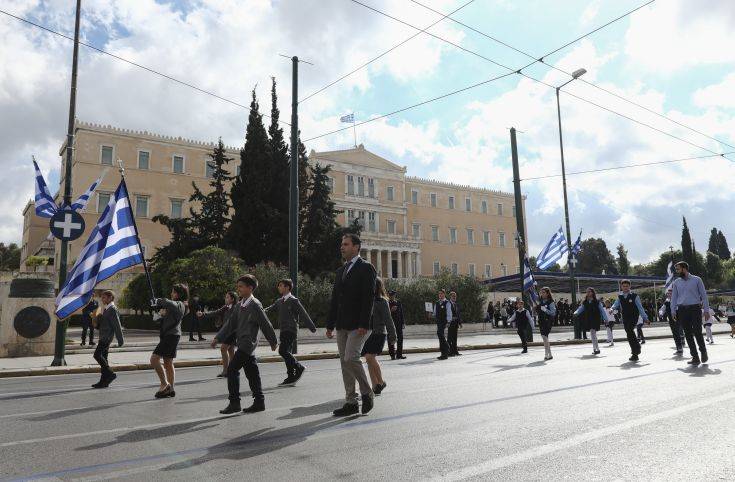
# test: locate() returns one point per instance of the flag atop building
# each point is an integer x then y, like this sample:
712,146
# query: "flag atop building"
113,245
349,118
44,201
553,251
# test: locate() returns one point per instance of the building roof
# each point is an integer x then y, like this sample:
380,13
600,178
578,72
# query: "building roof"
559,282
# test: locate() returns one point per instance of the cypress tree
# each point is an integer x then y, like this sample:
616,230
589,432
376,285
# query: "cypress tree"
623,262
320,231
278,194
212,219
687,251
724,248
714,242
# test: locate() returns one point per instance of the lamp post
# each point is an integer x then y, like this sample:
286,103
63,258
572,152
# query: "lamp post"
575,75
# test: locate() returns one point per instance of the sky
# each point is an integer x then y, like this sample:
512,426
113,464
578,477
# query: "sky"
674,57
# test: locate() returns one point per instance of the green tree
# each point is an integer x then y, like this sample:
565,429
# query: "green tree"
623,262
714,242
183,239
714,270
724,252
687,249
277,193
9,257
595,257
209,272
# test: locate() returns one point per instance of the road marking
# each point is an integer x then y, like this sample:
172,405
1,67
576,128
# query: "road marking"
546,449
76,409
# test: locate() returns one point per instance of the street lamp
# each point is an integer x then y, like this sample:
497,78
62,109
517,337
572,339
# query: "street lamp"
575,75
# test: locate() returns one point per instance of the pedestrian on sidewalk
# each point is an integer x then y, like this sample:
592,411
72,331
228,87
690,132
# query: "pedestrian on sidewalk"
442,315
195,307
108,328
381,322
248,321
172,311
688,299
609,324
546,311
87,325
629,306
454,325
592,315
524,323
290,311
350,311
396,313
676,329
220,316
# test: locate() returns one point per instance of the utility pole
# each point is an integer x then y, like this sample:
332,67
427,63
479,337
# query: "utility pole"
60,341
293,211
519,205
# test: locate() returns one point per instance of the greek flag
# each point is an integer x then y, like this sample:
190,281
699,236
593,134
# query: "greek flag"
529,284
81,203
347,118
553,251
670,277
113,245
577,245
45,204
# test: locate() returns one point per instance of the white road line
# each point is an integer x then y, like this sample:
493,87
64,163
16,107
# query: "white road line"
546,449
74,409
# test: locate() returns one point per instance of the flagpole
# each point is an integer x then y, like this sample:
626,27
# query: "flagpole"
137,236
354,131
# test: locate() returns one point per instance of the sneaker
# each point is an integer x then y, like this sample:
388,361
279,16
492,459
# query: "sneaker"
201,338
231,408
257,406
401,357
346,410
300,369
596,352
99,384
367,403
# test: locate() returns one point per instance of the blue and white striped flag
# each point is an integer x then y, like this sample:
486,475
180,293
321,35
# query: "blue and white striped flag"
113,245
670,275
349,118
529,284
577,245
81,203
45,204
553,251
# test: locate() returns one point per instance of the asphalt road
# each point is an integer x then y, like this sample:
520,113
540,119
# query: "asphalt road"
487,415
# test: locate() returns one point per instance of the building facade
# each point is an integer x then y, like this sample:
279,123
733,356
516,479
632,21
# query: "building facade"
411,226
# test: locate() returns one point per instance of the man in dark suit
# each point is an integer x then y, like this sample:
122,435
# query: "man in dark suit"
350,311
454,325
442,315
194,325
87,314
396,312
108,327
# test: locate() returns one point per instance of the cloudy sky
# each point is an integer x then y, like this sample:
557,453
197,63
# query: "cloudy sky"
674,57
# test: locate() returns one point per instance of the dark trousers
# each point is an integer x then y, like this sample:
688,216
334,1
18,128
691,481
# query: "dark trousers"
443,345
286,350
101,354
87,325
690,317
639,332
242,360
397,351
676,330
630,333
452,338
523,332
194,326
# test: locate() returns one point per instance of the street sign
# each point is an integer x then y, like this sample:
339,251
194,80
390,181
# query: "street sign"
67,225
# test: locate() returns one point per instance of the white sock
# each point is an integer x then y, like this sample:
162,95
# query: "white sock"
593,337
610,338
708,328
547,345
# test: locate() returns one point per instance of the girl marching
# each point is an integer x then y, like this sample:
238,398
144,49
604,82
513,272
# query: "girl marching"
546,315
592,313
162,359
381,321
227,350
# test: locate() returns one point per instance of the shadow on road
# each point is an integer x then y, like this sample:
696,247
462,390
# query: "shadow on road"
700,371
630,365
300,412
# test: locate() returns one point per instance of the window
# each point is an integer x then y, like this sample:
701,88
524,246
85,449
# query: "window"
515,240
483,207
360,186
361,218
436,267
177,207
468,204
455,269
141,206
470,236
391,227
350,216
371,222
389,193
106,154
144,160
209,167
178,164
351,185
103,199
453,235
330,184
503,270
501,240
514,210
371,187
435,233
414,197
433,199
471,270
451,202
488,271
500,209
416,231
486,238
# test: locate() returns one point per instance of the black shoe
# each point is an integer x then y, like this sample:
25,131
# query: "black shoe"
458,354
596,352
201,338
705,357
393,357
379,388
164,393
231,408
221,375
84,343
191,338
100,384
525,350
694,361
91,343
257,406
300,369
367,403
110,379
643,342
401,357
289,380
347,410
443,357
633,358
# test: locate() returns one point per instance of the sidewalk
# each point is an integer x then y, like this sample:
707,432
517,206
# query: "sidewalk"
136,353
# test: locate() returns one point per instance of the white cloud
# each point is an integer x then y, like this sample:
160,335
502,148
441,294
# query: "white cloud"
717,95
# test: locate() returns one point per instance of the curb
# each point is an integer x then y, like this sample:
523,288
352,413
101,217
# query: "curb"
30,372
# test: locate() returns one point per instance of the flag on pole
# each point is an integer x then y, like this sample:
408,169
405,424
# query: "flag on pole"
577,244
45,204
553,251
670,277
81,203
113,245
529,284
349,118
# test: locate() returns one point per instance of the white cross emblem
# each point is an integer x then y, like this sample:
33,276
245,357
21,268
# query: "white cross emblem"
573,261
67,225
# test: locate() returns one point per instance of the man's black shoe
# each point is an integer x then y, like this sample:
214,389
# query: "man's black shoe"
257,406
91,343
633,358
300,369
693,361
346,410
289,380
443,357
100,384
191,338
525,350
705,357
231,408
377,389
401,357
201,338
111,378
367,403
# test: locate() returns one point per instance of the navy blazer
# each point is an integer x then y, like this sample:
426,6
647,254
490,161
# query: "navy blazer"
352,298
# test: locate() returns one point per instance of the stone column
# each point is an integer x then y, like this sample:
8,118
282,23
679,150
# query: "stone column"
400,264
418,264
379,263
391,273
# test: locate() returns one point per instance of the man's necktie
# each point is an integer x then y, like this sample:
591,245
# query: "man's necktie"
347,268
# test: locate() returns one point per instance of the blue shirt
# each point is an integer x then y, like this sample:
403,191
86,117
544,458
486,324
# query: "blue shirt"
641,311
688,291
